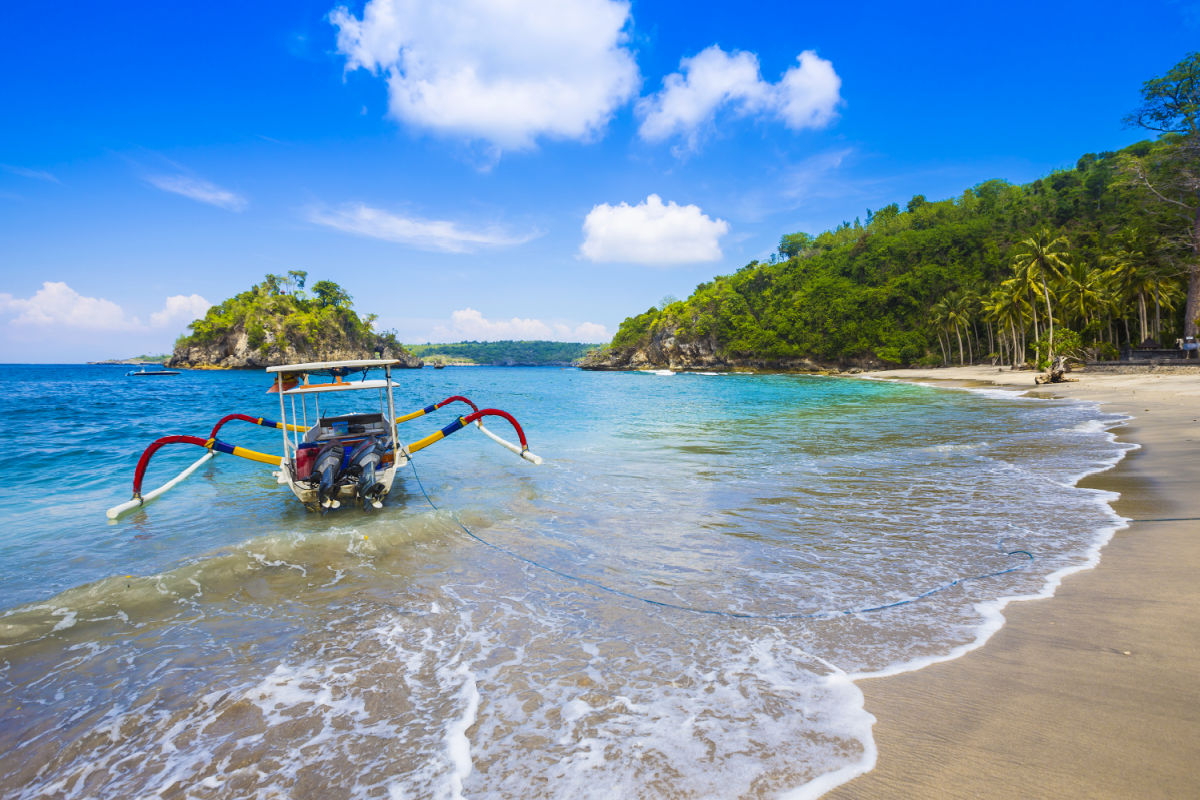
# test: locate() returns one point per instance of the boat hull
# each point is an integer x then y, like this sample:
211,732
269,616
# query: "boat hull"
346,494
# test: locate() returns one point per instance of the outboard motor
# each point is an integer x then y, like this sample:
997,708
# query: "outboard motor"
326,470
363,461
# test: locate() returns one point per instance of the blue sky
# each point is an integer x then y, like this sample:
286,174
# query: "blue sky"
485,170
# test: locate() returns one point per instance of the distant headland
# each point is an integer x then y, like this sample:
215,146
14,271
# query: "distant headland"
135,361
506,353
279,321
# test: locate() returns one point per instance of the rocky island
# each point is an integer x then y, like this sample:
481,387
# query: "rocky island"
278,322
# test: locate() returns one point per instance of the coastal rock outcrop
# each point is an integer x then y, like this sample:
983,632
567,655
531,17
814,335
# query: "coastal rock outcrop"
276,322
664,349
234,351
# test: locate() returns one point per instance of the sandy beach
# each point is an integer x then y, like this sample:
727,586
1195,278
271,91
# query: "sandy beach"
1092,693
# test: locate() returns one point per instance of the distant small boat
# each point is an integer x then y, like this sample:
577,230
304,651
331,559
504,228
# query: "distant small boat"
149,373
656,371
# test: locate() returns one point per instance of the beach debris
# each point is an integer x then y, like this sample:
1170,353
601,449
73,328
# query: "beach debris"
1055,373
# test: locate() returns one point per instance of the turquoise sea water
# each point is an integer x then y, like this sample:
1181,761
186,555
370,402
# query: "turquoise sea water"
225,642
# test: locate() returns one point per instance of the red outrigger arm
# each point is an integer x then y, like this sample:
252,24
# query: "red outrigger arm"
209,444
462,422
263,421
430,409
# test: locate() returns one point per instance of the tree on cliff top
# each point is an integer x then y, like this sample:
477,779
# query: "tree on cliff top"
330,294
1171,106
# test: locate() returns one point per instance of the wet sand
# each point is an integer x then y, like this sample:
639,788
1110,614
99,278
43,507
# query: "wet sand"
1096,692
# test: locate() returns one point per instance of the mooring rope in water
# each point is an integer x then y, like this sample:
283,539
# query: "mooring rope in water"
716,612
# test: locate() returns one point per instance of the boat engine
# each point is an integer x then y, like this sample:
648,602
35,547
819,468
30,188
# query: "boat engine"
326,471
363,461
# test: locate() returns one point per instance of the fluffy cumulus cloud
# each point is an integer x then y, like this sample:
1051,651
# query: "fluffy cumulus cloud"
199,190
437,235
651,233
180,309
57,305
501,72
469,324
807,96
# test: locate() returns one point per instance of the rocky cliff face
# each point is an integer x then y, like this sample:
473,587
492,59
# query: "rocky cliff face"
665,350
233,351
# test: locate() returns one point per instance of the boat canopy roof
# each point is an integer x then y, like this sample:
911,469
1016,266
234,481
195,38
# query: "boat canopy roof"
309,388
321,366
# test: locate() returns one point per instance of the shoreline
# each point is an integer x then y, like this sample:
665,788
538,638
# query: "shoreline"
1089,693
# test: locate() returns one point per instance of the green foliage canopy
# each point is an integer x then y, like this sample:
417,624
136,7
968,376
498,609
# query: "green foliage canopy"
869,292
277,311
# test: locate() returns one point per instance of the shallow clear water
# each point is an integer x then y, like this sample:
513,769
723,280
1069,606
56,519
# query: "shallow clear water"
224,642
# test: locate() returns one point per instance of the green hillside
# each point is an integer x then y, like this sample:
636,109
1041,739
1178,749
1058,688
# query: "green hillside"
1081,262
958,279
503,353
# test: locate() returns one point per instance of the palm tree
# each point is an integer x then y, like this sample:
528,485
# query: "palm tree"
970,307
1008,308
958,309
1044,260
939,316
1129,280
1080,292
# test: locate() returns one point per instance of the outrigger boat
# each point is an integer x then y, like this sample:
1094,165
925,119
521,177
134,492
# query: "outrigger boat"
328,461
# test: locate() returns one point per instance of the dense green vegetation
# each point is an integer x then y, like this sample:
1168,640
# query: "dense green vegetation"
1083,261
504,353
279,312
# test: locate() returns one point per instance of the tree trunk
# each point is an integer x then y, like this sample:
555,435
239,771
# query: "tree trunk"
1142,316
1055,373
1192,308
1012,326
1033,313
1049,319
1157,316
960,347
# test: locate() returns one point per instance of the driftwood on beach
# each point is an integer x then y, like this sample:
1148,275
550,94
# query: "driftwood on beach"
1055,373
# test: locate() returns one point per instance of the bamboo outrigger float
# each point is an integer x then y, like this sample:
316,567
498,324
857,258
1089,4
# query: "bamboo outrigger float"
329,460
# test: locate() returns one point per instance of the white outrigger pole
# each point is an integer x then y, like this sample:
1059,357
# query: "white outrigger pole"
329,460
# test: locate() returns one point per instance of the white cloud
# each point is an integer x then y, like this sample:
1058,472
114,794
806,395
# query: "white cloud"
505,73
180,309
592,332
807,95
651,233
469,324
439,235
58,304
199,190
